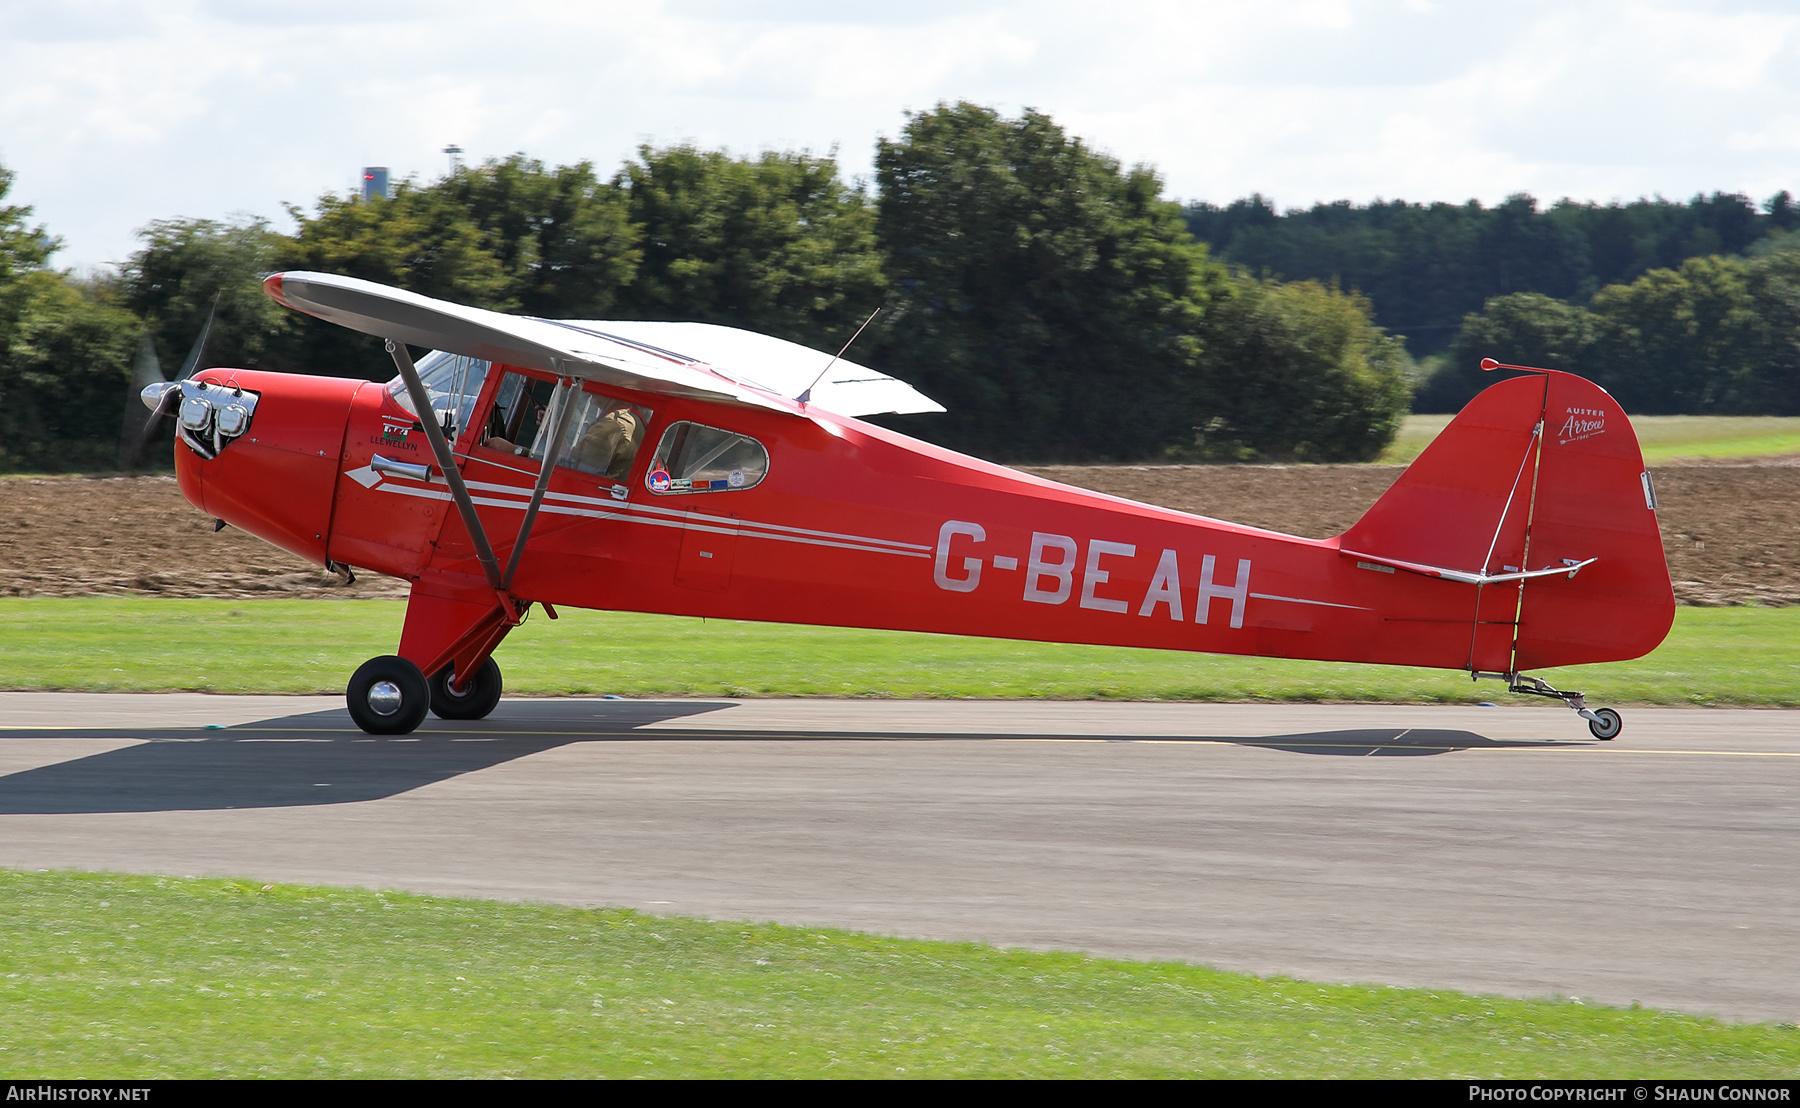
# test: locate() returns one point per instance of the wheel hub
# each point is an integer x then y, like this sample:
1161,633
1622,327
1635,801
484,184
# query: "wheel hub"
385,698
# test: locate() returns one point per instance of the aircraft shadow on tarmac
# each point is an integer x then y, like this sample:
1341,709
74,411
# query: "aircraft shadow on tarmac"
321,758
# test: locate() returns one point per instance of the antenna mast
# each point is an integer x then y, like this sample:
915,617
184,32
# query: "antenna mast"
806,396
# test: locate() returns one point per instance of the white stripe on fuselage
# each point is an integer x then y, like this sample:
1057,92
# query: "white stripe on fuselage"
519,498
681,520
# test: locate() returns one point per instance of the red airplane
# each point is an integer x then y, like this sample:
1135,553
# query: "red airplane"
709,471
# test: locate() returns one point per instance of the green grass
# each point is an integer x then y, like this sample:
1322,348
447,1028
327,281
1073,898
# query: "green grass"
1663,438
1415,434
1719,656
109,977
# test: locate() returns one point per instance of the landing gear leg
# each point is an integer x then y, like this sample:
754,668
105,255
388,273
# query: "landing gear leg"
388,696
474,701
1603,723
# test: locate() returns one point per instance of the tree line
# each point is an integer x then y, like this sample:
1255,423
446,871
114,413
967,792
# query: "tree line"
1426,266
1050,298
1715,335
1673,307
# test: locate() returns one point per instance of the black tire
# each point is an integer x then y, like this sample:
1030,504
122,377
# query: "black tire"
1608,725
388,696
474,702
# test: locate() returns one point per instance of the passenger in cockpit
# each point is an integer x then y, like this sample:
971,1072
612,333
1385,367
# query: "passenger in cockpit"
606,448
609,444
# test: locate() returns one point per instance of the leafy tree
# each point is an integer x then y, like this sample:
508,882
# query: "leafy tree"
420,240
1681,340
1774,283
1522,328
65,355
1297,371
1052,301
562,237
777,244
65,371
1418,263
1522,250
1425,267
22,248
185,268
1781,211
1715,335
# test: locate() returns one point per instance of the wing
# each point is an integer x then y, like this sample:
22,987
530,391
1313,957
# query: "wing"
774,365
721,364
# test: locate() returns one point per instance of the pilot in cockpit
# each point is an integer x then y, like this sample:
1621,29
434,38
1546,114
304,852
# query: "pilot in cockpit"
606,447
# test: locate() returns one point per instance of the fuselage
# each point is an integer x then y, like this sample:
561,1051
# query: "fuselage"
851,525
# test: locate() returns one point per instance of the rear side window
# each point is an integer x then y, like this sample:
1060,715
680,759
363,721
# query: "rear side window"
695,458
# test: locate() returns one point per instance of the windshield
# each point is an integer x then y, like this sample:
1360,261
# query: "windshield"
452,381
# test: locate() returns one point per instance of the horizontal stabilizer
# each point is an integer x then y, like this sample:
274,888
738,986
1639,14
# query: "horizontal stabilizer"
1465,576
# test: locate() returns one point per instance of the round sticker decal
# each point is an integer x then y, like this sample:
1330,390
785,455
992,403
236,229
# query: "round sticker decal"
659,480
735,479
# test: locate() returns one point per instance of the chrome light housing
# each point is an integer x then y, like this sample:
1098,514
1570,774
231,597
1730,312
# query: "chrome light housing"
210,416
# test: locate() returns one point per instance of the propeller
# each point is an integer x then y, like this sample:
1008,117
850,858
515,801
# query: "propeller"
160,395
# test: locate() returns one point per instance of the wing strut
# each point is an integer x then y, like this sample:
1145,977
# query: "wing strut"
446,461
566,391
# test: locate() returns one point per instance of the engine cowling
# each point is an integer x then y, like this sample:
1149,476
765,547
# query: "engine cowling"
268,467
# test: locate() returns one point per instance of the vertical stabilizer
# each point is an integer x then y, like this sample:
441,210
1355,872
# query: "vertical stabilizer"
1535,474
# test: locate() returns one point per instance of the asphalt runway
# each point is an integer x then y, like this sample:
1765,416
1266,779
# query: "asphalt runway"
1492,850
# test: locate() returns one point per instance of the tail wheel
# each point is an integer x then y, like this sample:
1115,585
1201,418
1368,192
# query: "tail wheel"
472,702
388,696
1607,725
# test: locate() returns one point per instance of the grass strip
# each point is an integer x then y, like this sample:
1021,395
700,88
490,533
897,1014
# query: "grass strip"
107,977
1663,438
1747,657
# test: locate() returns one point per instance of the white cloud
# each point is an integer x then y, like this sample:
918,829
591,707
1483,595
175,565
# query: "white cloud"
74,21
115,113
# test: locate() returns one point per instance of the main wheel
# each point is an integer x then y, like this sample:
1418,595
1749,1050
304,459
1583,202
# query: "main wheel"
388,696
473,702
1608,725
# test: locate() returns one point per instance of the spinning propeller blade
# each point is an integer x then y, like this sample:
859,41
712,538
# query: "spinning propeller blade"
156,393
189,367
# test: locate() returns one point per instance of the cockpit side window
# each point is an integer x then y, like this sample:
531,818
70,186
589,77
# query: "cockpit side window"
603,437
520,406
603,434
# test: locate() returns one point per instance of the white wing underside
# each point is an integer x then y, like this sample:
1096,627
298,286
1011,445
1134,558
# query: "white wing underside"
703,361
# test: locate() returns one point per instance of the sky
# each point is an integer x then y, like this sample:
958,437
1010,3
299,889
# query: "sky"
114,113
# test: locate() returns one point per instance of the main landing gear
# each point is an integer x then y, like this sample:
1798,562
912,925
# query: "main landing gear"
1603,723
389,696
474,701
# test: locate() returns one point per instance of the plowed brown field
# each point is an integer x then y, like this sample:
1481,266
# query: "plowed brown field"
1732,531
